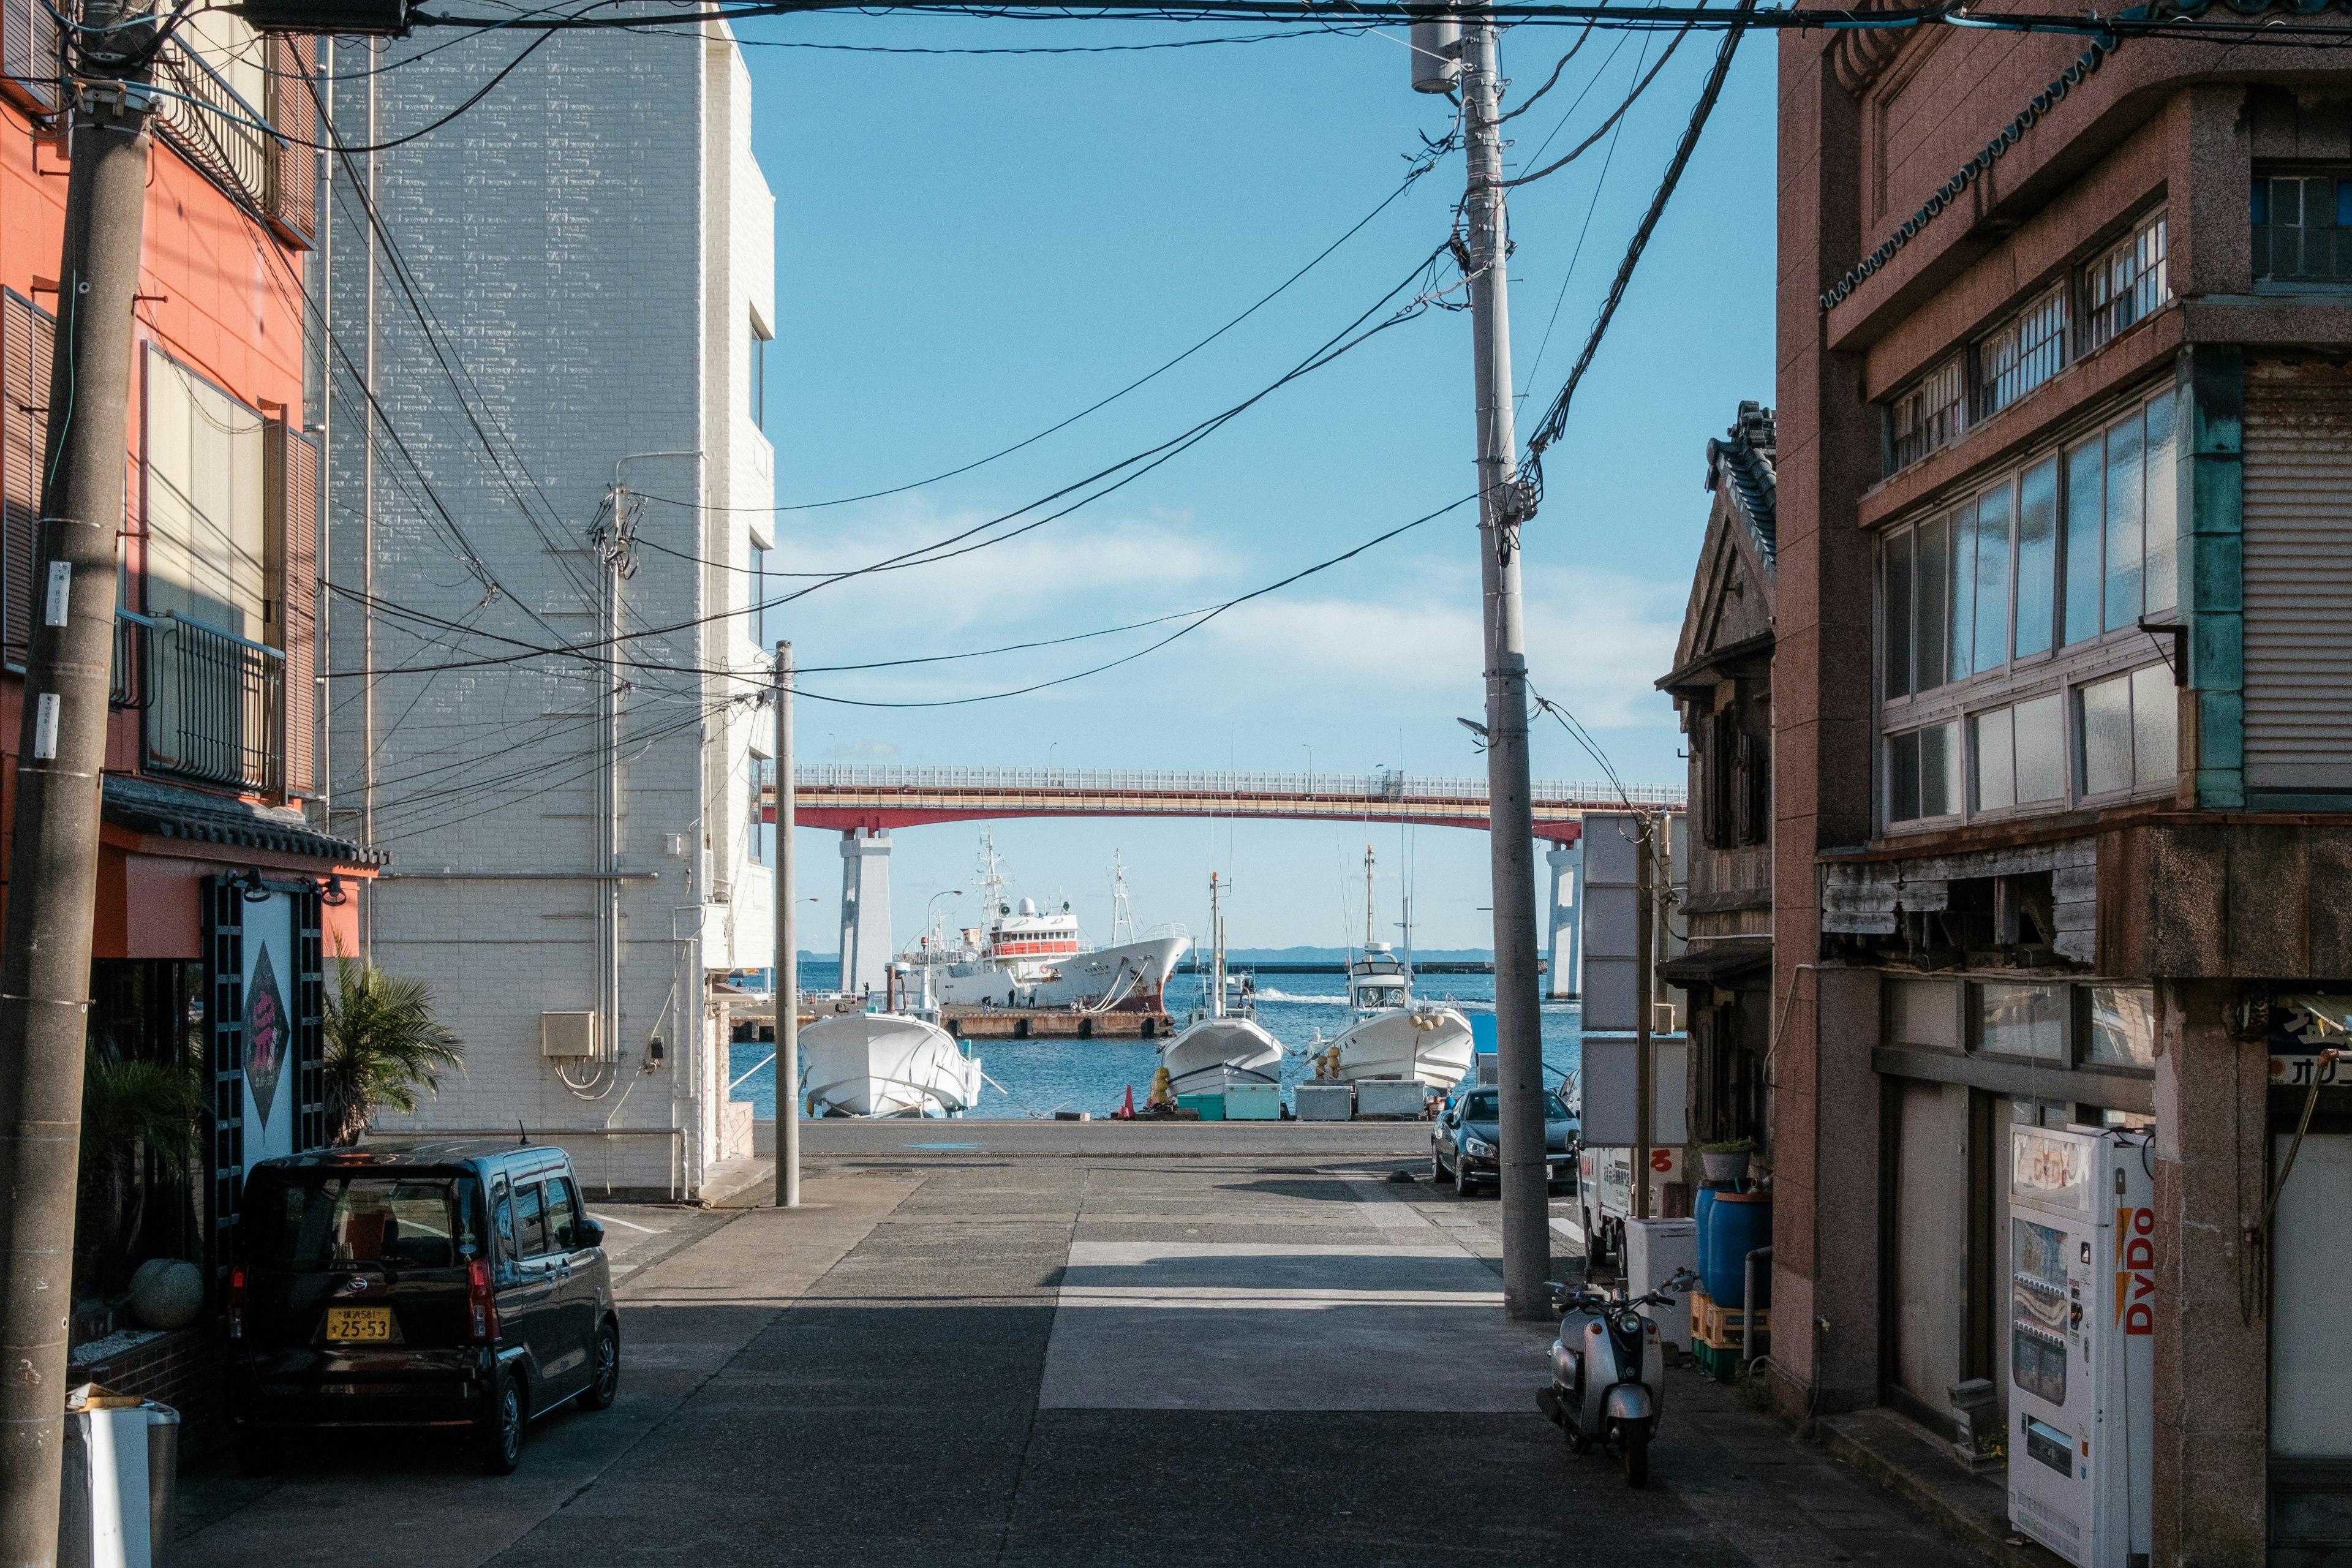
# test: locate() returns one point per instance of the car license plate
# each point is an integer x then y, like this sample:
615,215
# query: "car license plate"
358,1323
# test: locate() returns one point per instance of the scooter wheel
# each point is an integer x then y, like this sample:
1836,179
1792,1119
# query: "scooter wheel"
1578,1443
1637,1458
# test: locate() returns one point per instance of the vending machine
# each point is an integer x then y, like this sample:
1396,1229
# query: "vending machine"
2081,1238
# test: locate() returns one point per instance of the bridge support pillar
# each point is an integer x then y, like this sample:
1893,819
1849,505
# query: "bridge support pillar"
865,912
1560,969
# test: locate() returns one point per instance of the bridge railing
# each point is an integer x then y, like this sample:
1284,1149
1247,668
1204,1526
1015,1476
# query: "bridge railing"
1369,787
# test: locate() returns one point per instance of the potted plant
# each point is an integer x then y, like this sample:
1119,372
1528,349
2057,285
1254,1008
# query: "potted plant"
383,1045
1726,1161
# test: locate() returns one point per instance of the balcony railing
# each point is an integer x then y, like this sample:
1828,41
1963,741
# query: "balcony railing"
2288,253
216,702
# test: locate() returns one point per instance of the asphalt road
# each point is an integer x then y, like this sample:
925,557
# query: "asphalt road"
995,1356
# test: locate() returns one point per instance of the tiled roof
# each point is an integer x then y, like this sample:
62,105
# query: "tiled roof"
1745,459
168,811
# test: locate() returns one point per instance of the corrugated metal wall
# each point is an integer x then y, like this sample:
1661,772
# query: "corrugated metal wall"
2298,577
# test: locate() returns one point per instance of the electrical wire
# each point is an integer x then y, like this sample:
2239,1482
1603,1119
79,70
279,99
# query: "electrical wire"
1600,183
1615,115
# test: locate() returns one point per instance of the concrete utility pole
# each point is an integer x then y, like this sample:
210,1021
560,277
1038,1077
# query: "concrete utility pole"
1645,955
788,964
45,962
1518,1025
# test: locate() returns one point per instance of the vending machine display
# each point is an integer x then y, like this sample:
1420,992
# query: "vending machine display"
2081,1323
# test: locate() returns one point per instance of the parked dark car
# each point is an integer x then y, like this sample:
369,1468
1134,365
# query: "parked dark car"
1463,1141
457,1286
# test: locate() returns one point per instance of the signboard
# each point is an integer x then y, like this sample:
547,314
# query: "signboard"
2305,1021
1611,916
272,1076
1610,1090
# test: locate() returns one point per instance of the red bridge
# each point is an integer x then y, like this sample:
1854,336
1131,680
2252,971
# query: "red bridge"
871,800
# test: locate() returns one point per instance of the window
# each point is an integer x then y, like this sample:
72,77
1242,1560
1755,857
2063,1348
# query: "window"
2303,228
206,556
2023,353
563,1214
2126,284
1923,774
2019,753
530,1222
760,597
757,401
1929,416
2018,1020
1735,778
2128,730
1920,1012
2122,516
309,1222
2122,1030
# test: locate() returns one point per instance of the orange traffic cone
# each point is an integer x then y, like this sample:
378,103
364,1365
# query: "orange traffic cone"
1127,1111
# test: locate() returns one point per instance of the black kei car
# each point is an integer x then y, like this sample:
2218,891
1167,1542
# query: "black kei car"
453,1285
1463,1140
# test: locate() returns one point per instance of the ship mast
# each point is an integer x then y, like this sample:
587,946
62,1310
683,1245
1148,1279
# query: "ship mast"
1368,898
1122,918
1217,952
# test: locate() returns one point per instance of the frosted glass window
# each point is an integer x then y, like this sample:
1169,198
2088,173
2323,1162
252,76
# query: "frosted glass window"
2041,749
1924,1013
1933,586
1992,579
2085,511
1996,760
2125,558
2106,736
2123,1025
2017,1020
1923,774
2156,726
2037,557
2163,505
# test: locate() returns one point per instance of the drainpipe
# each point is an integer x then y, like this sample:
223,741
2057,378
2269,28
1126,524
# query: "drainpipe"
1747,1307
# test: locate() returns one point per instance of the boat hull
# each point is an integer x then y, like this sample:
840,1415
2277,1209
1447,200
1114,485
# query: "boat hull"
884,1064
1214,1053
1432,1045
1127,977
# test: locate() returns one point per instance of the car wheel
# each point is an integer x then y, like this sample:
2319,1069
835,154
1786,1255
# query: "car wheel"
257,1454
606,1383
502,1436
1465,1186
1437,1171
1637,1456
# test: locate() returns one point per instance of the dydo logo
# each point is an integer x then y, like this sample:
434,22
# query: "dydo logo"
2136,1270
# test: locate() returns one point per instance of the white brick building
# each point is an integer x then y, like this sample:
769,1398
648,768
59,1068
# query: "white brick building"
591,249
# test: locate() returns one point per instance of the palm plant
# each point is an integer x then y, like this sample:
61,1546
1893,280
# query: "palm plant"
383,1045
129,1108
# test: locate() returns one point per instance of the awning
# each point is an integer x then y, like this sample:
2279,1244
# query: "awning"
1717,962
167,811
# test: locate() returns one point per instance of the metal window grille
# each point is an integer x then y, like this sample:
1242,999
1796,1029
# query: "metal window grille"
2126,284
234,142
2300,234
216,705
2024,352
1930,416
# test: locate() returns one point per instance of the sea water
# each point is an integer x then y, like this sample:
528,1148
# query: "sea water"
1038,1078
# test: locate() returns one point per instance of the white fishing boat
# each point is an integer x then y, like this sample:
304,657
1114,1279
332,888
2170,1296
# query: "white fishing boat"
1391,1035
1029,957
1223,1045
884,1064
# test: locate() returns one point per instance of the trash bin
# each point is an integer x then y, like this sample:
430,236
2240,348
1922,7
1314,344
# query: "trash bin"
119,1483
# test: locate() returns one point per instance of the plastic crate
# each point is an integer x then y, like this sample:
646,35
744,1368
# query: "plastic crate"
1724,1328
1723,1365
1254,1102
1207,1107
1325,1102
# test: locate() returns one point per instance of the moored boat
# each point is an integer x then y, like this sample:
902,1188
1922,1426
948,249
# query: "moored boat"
1391,1035
1223,1045
885,1064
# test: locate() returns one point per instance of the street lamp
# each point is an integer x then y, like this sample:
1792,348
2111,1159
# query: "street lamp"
930,923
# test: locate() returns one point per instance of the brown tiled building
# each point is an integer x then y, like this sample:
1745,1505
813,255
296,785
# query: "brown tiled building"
2062,727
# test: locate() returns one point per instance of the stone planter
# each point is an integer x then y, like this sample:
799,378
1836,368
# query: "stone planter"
1724,1167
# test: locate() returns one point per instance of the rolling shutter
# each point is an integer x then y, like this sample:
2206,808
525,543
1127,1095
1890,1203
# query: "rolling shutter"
2298,578
293,525
28,344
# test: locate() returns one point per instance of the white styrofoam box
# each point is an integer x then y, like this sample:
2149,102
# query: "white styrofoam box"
1404,1096
1254,1102
107,1515
1325,1102
1655,1249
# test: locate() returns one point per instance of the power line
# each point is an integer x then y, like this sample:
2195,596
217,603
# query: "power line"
1600,183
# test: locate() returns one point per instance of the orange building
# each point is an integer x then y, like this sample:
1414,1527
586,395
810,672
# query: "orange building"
219,902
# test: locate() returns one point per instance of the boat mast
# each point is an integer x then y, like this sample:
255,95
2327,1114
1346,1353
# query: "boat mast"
1122,918
1217,952
1368,901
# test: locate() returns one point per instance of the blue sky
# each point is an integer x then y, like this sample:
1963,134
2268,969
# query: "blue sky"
973,249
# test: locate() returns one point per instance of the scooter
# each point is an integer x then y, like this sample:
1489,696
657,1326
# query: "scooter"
1608,1380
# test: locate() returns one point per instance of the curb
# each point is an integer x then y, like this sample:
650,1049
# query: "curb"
1908,1462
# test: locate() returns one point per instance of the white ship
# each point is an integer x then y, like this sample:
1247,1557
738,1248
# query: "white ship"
1391,1035
1223,1045
1028,958
884,1064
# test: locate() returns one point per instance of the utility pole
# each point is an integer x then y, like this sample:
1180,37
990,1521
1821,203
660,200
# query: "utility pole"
1645,952
788,964
1518,1024
52,895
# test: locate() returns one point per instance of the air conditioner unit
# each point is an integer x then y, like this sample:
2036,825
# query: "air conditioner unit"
568,1036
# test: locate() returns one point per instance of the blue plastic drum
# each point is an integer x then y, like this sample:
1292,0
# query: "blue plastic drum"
1736,1225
